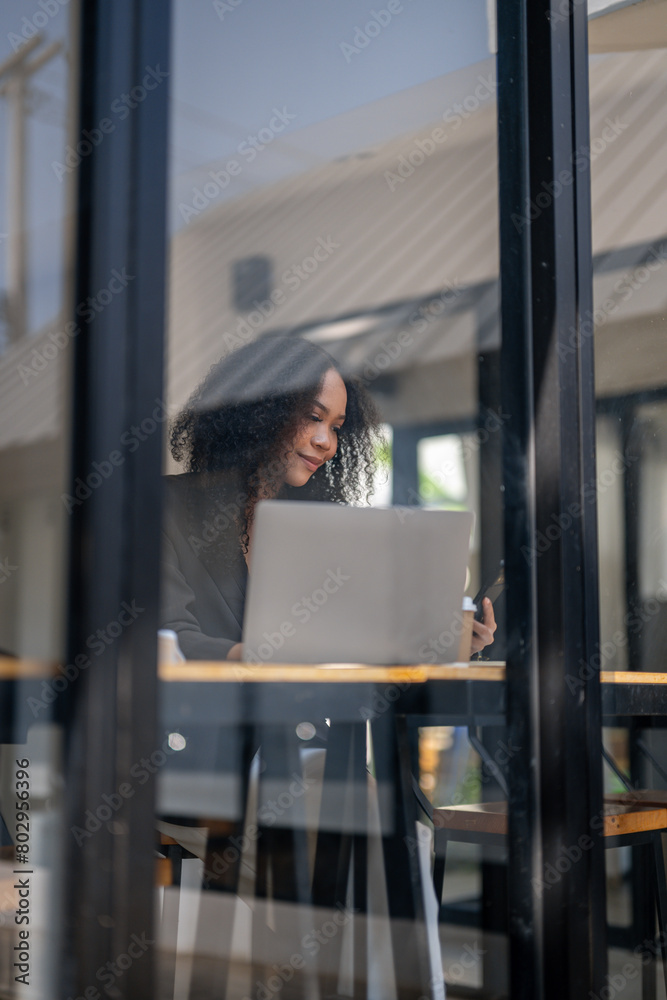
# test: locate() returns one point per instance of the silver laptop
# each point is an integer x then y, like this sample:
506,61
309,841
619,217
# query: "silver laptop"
336,584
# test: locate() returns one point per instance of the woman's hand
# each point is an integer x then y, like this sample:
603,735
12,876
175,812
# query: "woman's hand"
483,631
236,652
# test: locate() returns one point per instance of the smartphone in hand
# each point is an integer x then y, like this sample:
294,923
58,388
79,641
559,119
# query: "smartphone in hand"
492,589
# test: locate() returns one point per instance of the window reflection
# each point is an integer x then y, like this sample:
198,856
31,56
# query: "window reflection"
627,75
339,187
38,116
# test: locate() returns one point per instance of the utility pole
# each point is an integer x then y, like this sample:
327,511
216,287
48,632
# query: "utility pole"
16,71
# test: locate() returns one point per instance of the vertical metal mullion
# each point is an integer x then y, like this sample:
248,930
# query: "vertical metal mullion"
555,787
582,949
589,571
631,444
111,713
137,675
566,815
405,466
494,874
525,912
96,570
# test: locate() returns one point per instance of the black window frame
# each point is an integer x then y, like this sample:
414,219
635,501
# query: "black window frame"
111,716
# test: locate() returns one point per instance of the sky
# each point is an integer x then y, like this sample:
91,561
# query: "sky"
318,60
236,64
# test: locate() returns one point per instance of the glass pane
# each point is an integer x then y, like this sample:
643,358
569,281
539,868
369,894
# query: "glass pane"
628,73
333,179
38,116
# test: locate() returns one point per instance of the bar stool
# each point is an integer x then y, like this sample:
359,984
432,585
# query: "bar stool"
635,819
169,859
168,863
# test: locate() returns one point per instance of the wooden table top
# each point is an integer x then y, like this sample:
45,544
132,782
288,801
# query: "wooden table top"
328,673
200,670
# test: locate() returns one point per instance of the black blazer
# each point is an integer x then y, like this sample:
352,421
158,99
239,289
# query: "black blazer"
204,575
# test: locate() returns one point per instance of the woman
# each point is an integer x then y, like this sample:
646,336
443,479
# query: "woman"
274,419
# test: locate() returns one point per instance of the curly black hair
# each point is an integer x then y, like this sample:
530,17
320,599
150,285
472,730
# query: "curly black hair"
242,418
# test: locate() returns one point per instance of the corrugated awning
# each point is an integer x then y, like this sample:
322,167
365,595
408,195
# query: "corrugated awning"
627,26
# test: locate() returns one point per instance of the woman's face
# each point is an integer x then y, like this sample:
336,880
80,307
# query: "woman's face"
316,442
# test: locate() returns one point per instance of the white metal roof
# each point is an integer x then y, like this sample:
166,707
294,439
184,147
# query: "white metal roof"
436,230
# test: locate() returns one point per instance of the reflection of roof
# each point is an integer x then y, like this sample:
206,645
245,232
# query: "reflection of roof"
391,239
627,25
628,171
435,328
400,239
389,243
32,390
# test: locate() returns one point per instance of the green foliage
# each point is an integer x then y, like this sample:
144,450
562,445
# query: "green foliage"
383,453
434,494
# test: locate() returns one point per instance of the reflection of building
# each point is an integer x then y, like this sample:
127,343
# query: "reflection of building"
16,73
35,363
393,245
361,290
352,308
